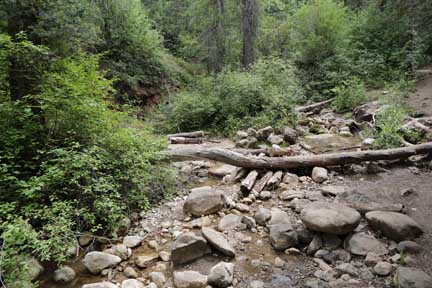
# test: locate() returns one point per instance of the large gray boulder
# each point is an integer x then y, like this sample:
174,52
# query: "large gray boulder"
96,261
283,236
64,274
362,244
412,278
218,241
395,226
330,218
189,279
188,247
203,201
221,275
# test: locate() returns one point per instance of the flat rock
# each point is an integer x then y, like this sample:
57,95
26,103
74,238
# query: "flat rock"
221,170
412,278
144,261
221,275
203,201
132,241
229,222
96,261
279,217
332,190
330,218
189,279
188,247
395,226
291,195
103,284
362,244
218,241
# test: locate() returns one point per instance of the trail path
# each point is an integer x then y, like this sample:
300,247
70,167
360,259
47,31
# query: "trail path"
421,99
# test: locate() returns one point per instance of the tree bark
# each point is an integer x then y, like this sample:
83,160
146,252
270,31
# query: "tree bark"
323,160
216,39
314,106
195,134
411,36
184,140
250,22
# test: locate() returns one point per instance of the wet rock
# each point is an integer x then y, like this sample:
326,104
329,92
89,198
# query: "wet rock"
221,275
96,261
279,217
132,241
158,278
332,190
188,247
144,261
130,272
249,222
256,284
362,244
330,218
229,222
264,133
347,268
395,226
132,283
64,274
383,269
218,241
189,279
203,201
290,135
262,216
319,174
412,278
283,236
103,284
409,247
275,139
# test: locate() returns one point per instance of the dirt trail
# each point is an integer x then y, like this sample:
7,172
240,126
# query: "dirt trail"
421,99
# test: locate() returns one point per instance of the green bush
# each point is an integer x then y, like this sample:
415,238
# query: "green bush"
68,163
264,95
350,95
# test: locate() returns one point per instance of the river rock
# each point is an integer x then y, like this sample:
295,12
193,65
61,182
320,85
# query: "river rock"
290,178
395,226
279,217
189,279
249,222
362,244
383,268
119,250
275,139
262,216
34,268
132,283
144,261
64,274
158,278
130,272
103,284
330,218
319,174
132,241
290,135
283,236
217,240
412,278
229,222
332,190
291,195
85,239
96,261
221,275
203,201
221,170
188,247
409,247
264,133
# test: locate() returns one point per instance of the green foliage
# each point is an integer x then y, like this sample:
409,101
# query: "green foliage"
264,95
68,163
349,95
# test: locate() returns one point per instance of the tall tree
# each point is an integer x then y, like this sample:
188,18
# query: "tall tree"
216,37
411,35
249,25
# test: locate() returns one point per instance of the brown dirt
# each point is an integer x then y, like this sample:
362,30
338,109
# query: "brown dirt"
421,99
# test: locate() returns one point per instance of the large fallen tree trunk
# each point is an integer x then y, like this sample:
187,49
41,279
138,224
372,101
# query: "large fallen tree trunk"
184,140
195,134
314,106
323,160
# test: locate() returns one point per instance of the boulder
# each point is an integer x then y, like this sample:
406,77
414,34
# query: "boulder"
395,226
330,218
362,244
221,275
103,284
64,274
188,247
412,278
319,174
132,241
290,135
217,241
203,201
262,216
144,261
189,279
229,222
96,261
283,236
132,283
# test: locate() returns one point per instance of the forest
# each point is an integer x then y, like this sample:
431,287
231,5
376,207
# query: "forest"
89,89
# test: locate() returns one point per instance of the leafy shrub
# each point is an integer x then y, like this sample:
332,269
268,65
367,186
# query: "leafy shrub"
264,95
68,163
350,95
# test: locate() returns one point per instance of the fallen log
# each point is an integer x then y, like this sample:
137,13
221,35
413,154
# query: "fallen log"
314,106
261,183
184,140
195,134
248,182
320,160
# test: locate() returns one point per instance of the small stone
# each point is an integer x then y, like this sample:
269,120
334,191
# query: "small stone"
319,175
347,268
291,195
145,261
242,207
282,236
336,256
265,195
315,244
372,259
96,261
332,190
290,178
132,283
153,244
158,278
189,279
383,269
221,275
275,139
292,251
249,222
279,217
130,272
165,256
256,284
64,274
395,258
103,284
261,216
85,239
279,262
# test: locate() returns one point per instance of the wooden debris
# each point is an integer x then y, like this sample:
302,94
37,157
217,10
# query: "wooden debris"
249,182
184,140
274,181
196,134
314,106
261,183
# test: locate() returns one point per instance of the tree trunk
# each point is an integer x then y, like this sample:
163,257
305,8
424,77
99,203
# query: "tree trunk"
249,26
216,38
411,37
323,160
